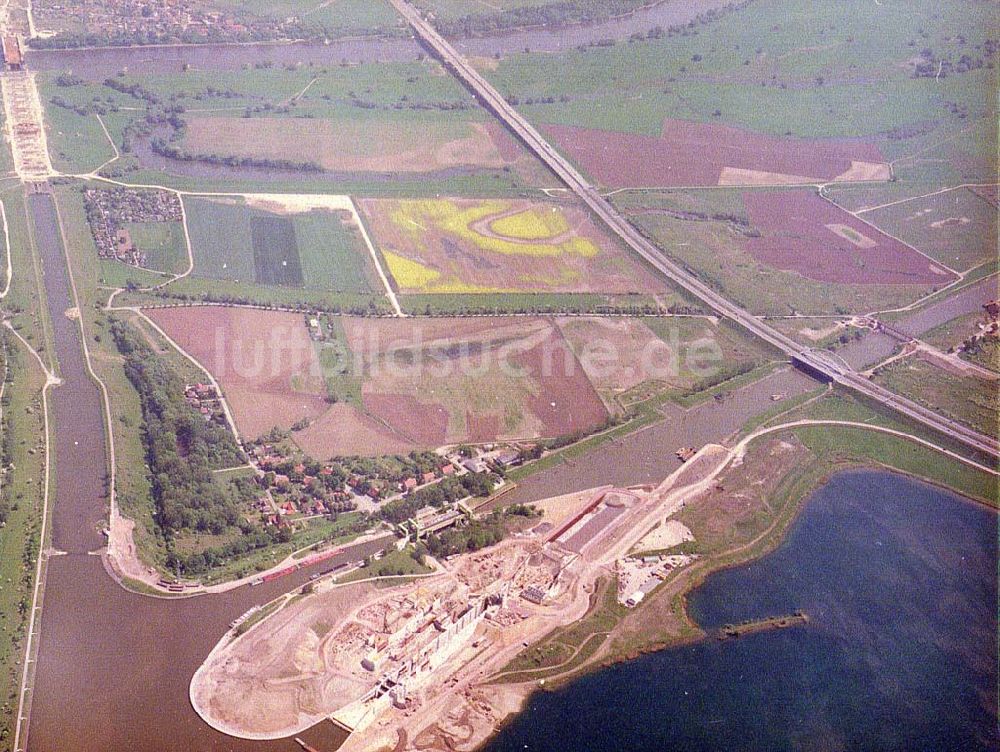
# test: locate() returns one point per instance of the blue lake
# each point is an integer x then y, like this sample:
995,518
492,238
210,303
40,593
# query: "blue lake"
899,580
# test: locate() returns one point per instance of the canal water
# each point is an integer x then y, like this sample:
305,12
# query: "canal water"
114,667
899,580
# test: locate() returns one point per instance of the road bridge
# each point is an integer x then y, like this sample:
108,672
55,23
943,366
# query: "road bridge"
803,357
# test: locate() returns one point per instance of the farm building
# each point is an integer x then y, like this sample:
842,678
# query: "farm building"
475,465
12,52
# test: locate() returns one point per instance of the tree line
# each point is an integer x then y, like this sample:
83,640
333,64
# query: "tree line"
182,448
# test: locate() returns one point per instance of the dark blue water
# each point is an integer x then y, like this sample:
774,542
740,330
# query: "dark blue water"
899,580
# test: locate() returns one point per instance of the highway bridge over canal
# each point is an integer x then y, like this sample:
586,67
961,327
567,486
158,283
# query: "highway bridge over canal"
817,363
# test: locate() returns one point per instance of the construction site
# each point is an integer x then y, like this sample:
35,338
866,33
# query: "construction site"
376,661
25,130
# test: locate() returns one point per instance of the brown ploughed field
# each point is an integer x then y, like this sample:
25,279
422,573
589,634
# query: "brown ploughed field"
263,360
803,233
704,154
456,380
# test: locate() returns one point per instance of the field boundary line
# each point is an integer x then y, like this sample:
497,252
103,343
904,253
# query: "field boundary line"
187,242
114,146
888,234
945,292
389,292
298,95
739,449
936,144
867,209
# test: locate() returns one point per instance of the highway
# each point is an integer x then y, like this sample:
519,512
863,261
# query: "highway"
819,364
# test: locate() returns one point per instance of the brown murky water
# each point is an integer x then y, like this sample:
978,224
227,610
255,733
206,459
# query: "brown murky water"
647,456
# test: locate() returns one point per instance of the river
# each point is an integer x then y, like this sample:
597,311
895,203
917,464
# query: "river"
899,581
99,63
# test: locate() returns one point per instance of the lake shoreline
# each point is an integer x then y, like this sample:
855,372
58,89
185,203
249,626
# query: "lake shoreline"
775,538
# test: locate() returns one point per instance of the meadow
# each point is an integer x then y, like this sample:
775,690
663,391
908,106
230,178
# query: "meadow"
777,66
958,228
708,233
967,399
316,250
381,128
163,244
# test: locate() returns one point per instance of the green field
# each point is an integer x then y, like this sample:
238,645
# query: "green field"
21,497
116,274
985,354
738,351
449,10
435,304
315,250
812,69
967,399
25,303
343,382
951,333
957,228
465,18
275,252
162,242
77,143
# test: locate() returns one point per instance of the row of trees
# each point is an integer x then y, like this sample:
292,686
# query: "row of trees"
182,448
562,13
368,308
165,148
7,424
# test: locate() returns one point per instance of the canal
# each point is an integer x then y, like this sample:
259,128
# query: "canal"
113,667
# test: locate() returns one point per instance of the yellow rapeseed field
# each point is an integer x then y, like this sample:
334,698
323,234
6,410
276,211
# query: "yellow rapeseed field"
412,276
408,273
532,224
413,217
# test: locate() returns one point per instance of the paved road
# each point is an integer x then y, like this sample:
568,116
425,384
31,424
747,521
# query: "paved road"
819,364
